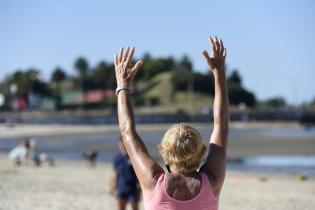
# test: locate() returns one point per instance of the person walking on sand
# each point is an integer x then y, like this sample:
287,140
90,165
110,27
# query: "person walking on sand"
184,186
124,183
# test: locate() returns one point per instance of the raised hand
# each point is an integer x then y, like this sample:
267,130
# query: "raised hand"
125,73
218,53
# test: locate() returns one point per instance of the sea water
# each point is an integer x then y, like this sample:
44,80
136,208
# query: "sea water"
72,147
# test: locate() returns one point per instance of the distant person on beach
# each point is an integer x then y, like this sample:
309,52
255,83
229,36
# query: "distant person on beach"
124,183
26,153
91,157
23,153
186,185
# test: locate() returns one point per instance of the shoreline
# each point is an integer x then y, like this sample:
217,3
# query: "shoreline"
41,130
263,139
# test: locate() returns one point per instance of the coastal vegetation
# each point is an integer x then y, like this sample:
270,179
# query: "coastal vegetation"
164,84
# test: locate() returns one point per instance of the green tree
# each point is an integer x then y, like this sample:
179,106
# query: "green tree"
204,83
103,76
152,66
82,67
235,78
180,79
185,64
238,94
57,77
27,82
275,102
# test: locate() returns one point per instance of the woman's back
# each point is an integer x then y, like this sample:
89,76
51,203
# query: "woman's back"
174,191
182,187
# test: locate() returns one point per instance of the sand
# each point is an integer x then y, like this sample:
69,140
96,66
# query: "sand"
73,185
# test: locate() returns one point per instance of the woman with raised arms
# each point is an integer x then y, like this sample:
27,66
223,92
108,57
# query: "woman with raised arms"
187,185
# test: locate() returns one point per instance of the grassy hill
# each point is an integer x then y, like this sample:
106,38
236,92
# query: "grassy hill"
159,96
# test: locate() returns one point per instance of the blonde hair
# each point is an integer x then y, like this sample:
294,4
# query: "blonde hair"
182,147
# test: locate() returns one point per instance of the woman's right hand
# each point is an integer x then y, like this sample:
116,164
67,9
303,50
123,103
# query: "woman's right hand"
216,60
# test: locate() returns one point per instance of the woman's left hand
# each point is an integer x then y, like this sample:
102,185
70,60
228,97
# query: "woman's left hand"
125,73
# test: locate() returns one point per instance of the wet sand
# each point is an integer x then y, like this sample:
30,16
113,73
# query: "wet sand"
73,185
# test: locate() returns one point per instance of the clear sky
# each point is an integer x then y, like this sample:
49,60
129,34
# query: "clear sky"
271,42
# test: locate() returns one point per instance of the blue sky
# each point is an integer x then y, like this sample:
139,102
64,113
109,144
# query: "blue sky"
271,43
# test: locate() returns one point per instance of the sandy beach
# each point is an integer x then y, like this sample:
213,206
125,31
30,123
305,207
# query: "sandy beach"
74,185
71,184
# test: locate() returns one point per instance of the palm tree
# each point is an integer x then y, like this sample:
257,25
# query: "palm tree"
82,66
57,77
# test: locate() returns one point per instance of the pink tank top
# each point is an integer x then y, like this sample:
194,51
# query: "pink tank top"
160,200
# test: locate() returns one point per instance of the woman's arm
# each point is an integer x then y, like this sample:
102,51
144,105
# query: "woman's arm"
145,167
216,161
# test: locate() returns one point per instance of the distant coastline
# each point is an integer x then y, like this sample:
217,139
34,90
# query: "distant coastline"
55,129
148,116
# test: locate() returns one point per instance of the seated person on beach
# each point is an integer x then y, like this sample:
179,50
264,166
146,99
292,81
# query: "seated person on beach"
124,183
26,154
23,153
187,185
